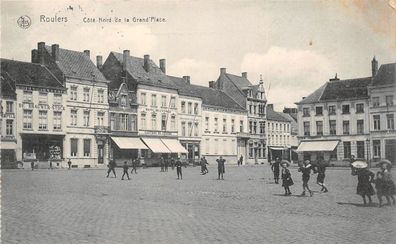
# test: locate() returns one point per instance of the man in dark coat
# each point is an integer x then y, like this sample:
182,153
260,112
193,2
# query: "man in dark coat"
135,163
111,166
275,169
204,169
178,165
240,162
162,163
220,167
69,163
125,168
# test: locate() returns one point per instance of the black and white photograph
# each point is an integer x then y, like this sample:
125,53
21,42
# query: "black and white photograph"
211,121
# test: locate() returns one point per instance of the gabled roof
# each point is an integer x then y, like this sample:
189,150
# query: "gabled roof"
239,81
77,65
346,89
314,96
276,116
7,87
29,74
386,75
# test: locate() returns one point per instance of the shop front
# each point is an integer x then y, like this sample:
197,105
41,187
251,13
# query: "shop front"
316,150
162,147
42,148
193,151
125,149
279,152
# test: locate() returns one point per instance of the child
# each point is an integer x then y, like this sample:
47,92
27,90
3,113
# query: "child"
286,178
125,167
306,172
321,169
384,183
364,187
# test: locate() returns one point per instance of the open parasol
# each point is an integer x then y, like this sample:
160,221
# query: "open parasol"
359,164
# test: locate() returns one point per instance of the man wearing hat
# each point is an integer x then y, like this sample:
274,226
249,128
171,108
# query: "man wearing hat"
275,170
306,172
220,167
286,177
178,165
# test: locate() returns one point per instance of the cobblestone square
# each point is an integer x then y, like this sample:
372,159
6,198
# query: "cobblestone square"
83,206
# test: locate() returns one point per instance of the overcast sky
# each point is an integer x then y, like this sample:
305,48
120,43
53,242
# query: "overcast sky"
296,46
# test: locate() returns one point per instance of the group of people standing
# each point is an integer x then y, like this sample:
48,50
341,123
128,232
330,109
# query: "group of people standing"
111,168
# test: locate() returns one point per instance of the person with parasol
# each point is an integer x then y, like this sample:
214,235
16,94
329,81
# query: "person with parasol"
384,183
365,177
306,172
287,181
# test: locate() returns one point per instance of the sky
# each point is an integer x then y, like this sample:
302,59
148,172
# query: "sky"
296,46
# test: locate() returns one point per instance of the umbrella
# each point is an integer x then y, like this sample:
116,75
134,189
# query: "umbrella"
359,164
285,162
385,161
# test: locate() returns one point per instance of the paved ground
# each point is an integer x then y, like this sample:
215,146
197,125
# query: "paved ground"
82,206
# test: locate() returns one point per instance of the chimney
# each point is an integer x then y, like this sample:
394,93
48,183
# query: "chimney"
125,60
41,50
87,52
99,63
270,106
335,78
35,56
163,65
244,75
147,63
211,84
374,66
55,51
223,70
187,79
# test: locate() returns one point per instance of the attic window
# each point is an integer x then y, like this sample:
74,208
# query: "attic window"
74,71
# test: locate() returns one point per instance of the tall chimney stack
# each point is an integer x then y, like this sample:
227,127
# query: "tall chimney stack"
211,84
244,75
374,66
41,50
35,56
88,53
55,51
99,63
187,79
146,63
270,106
163,65
223,70
125,60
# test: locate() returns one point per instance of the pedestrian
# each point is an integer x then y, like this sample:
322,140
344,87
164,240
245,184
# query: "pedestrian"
365,177
178,165
69,163
384,183
321,169
135,163
275,170
204,169
287,181
111,167
305,169
32,165
125,167
351,162
50,164
220,167
172,162
241,160
166,164
162,163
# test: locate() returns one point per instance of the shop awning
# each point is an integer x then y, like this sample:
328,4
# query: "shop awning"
174,146
129,142
278,148
156,145
8,145
317,146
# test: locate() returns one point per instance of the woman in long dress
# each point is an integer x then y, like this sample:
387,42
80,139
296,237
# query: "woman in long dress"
364,187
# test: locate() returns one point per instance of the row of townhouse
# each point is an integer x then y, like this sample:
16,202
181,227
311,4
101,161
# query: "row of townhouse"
66,107
350,117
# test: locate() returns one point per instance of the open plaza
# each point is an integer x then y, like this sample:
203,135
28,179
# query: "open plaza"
83,206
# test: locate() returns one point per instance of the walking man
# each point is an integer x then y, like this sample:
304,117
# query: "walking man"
125,167
220,167
162,163
111,166
69,163
172,162
204,169
135,163
275,170
178,165
240,160
50,164
306,172
166,164
321,169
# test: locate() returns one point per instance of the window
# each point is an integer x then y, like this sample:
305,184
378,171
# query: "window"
389,100
251,150
360,126
189,129
250,109
332,109
87,147
123,122
73,93
377,122
206,123
254,109
57,120
27,119
153,100
359,108
195,108
241,126
163,101
319,128
153,122
183,128
100,118
132,118
57,99
255,127
73,147
377,148
86,118
360,149
143,98
375,101
86,94
73,119
163,122
262,127
189,108
9,107
183,107
390,122
251,127
207,145
143,121
27,96
9,127
216,124
216,146
305,112
232,125
347,149
173,102
345,109
306,128
224,125
100,96
196,129
43,98
319,111
123,100
345,127
173,122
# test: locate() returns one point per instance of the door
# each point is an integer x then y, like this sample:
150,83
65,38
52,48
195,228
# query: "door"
390,152
100,152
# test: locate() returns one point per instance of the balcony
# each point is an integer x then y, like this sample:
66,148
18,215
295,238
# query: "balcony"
8,138
102,129
243,135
